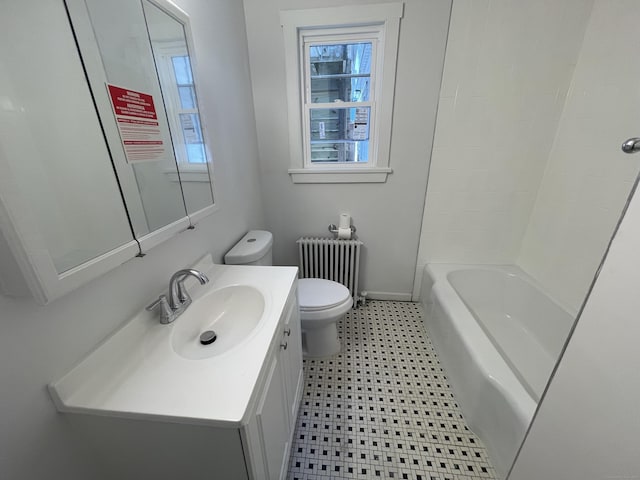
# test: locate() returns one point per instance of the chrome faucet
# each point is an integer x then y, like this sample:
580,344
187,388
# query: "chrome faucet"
179,298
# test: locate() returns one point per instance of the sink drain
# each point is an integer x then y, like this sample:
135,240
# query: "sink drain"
208,337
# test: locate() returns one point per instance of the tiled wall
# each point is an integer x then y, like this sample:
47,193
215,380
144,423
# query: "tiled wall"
587,425
507,71
588,178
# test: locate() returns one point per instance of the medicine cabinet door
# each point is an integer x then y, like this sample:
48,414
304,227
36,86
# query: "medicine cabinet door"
62,218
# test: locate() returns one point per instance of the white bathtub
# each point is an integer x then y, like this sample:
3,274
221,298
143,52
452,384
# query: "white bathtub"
498,337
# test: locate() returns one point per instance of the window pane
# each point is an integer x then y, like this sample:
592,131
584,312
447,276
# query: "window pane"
327,90
195,153
350,152
187,97
352,58
340,72
340,134
190,124
340,123
192,134
182,69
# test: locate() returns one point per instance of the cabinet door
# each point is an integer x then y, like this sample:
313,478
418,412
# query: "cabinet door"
292,362
273,423
62,216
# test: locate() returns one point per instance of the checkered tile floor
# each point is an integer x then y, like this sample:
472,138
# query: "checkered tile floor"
383,408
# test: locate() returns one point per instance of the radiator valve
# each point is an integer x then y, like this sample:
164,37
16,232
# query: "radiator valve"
362,300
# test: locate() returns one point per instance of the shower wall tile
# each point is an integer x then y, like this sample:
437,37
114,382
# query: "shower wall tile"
507,72
588,178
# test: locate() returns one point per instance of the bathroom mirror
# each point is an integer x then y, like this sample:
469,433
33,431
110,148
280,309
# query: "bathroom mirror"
173,61
62,219
94,173
138,61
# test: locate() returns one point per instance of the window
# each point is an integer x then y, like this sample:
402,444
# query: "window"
185,111
340,82
338,100
179,92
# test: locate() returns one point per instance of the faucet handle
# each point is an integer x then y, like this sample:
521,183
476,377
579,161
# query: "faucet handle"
166,314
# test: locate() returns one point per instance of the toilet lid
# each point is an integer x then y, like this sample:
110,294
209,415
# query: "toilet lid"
318,294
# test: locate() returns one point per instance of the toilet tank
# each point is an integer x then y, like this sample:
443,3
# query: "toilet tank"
252,249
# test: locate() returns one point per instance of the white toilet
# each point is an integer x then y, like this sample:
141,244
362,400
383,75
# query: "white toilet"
322,302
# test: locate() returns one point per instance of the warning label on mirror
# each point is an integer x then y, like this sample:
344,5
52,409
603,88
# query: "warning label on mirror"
138,124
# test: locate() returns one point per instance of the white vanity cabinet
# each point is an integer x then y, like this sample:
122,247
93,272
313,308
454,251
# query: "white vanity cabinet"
163,447
269,432
292,362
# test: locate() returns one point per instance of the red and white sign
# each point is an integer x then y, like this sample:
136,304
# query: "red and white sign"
138,124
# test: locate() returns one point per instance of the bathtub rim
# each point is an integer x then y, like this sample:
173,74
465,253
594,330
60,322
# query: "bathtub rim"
509,268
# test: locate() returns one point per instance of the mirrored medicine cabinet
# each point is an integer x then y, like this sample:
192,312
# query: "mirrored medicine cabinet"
103,152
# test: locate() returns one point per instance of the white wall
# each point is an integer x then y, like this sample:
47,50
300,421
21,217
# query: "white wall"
388,215
507,71
588,177
38,344
588,423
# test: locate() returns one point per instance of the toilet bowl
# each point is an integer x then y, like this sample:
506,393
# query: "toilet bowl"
322,302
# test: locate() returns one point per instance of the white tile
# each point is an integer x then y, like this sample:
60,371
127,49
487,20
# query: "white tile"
445,124
509,83
584,188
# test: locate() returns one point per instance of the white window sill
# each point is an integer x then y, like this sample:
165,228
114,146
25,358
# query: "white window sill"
339,175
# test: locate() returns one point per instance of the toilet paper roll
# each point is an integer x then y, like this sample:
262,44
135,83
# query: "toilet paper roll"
345,221
344,233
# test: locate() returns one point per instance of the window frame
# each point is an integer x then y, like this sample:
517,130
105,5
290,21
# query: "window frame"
337,37
335,25
190,171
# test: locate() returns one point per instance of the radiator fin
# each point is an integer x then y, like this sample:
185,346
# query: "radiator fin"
331,259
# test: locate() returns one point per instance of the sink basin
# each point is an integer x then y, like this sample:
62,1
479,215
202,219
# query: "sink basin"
231,312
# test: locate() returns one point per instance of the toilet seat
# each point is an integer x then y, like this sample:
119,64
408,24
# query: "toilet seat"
316,294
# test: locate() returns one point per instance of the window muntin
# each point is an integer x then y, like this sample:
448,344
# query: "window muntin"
186,118
339,99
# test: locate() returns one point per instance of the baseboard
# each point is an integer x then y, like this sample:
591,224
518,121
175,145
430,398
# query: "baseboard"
398,297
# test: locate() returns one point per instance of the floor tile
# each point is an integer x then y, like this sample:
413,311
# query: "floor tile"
383,408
